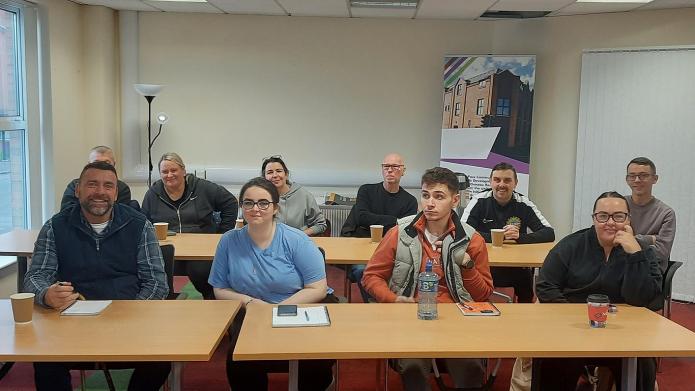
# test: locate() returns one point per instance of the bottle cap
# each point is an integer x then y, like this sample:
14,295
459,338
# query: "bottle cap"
428,266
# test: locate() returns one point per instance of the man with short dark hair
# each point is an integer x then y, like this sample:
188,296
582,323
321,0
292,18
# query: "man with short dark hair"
602,259
379,203
99,153
653,221
501,207
459,258
101,250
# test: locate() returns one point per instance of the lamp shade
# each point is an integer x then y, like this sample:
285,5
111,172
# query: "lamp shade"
148,89
162,118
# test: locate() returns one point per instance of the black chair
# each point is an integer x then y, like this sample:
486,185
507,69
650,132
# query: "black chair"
667,287
4,368
168,256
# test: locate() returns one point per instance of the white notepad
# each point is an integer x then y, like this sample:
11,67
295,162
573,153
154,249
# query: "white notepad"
86,307
306,317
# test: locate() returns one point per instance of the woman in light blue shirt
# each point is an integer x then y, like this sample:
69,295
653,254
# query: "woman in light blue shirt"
268,262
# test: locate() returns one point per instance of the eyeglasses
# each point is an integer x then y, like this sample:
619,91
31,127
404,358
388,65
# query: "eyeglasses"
262,204
394,167
642,177
618,217
265,159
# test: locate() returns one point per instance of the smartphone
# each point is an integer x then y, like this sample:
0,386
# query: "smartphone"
287,310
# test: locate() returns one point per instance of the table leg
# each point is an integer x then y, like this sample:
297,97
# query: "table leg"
175,377
293,381
629,375
21,271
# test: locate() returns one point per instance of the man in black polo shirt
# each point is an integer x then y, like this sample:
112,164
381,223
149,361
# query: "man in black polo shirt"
379,203
502,207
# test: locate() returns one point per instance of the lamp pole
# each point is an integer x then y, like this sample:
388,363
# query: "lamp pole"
149,138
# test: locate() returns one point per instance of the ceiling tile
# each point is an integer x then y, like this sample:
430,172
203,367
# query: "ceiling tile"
595,8
331,8
366,12
530,5
452,9
663,4
251,7
177,6
129,5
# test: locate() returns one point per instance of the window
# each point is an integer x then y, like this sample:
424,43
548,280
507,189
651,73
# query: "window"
13,122
457,109
503,107
480,110
482,84
447,108
458,90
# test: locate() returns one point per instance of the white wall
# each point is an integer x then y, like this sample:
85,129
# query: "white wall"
232,80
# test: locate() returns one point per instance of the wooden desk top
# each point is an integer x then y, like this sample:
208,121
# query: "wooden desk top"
138,330
202,247
18,242
361,331
519,255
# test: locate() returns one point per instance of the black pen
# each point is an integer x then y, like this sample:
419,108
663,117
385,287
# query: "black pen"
306,314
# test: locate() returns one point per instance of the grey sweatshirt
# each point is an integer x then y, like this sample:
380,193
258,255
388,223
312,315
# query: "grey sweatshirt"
298,209
654,218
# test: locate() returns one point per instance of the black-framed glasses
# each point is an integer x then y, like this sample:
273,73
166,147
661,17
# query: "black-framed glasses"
265,159
642,177
618,217
394,167
262,204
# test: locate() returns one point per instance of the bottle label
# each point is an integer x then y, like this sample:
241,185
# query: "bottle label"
427,286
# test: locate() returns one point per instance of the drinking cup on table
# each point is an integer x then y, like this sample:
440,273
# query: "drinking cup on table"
598,310
497,237
161,230
377,231
239,223
22,307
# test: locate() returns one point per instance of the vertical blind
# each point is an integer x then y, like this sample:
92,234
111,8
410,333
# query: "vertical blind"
640,102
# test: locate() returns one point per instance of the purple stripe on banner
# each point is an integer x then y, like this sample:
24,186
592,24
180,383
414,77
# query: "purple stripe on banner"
454,67
491,161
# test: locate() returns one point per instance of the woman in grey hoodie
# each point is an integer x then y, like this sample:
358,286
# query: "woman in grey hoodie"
298,207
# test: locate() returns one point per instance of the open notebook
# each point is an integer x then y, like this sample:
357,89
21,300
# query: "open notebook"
306,317
86,307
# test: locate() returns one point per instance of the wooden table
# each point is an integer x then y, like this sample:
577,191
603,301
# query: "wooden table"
19,243
519,255
369,331
138,330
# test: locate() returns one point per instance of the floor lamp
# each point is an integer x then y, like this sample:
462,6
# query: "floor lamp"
149,91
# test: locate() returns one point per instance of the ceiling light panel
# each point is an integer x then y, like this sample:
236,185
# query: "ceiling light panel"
129,5
251,7
664,4
530,5
595,8
452,9
330,8
178,6
360,12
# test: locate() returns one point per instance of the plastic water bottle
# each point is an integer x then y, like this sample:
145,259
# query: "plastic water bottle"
427,283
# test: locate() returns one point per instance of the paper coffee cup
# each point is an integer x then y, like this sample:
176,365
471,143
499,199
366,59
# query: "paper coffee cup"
239,223
161,230
497,237
22,307
377,231
598,310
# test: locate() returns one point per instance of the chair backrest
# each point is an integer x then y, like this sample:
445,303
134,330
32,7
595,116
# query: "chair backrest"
667,287
168,255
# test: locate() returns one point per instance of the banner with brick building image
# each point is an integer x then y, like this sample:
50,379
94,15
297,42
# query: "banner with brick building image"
486,115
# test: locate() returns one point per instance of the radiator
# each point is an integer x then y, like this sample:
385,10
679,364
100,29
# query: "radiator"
336,214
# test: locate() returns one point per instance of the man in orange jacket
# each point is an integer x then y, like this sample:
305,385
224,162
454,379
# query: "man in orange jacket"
458,256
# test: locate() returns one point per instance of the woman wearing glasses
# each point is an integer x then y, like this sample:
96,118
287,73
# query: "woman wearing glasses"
188,204
603,259
268,262
298,207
